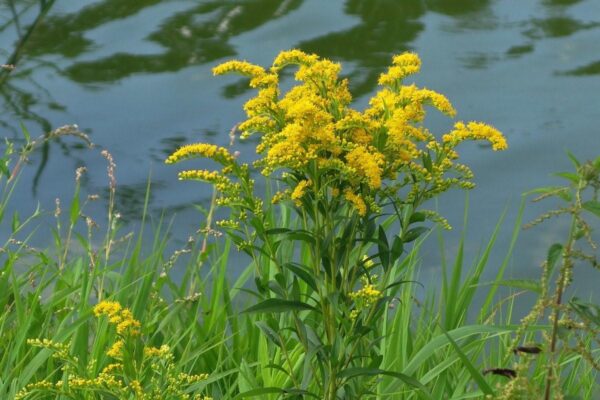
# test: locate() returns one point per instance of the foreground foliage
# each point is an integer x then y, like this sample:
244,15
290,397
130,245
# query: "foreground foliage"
337,312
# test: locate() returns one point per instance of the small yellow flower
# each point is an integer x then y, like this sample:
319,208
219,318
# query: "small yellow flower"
368,163
119,316
116,350
357,202
300,191
368,294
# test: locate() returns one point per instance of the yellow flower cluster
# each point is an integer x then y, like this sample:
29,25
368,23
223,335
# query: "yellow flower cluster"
403,65
160,352
312,132
119,316
160,378
116,350
357,202
368,295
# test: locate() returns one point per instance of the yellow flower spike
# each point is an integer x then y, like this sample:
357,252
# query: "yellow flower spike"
219,154
265,80
403,65
293,57
241,67
476,131
213,177
407,59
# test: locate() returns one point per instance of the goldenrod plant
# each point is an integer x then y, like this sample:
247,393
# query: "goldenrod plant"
135,371
358,182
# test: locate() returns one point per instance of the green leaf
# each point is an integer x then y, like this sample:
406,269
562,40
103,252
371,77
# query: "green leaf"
475,374
302,235
573,159
74,210
526,284
570,176
417,217
4,167
384,248
295,392
300,272
354,372
278,305
427,162
587,311
259,392
414,233
592,206
554,253
25,133
397,249
277,231
276,288
15,222
269,332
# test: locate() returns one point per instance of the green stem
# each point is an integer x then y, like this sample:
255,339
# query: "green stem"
562,283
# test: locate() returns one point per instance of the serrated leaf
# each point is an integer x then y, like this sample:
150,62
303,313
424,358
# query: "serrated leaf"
570,176
592,206
573,159
587,311
278,305
554,253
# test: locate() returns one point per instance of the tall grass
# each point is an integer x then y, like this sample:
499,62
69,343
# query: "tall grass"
449,344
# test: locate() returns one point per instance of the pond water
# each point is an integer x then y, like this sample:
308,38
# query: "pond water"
136,76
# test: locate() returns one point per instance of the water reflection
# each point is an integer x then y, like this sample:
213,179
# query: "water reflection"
196,35
19,91
386,27
586,70
555,27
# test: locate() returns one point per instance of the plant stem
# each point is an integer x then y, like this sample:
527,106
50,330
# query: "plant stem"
565,269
